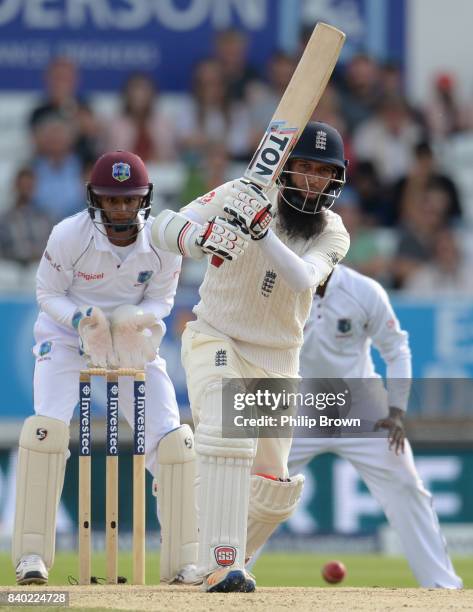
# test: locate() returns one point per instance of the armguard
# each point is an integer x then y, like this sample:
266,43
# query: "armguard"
174,232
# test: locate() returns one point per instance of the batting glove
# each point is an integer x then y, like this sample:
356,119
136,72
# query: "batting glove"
223,238
249,206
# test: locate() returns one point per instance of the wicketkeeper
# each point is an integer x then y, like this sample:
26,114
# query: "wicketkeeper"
103,290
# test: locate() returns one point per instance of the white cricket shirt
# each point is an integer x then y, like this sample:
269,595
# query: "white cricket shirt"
81,267
248,302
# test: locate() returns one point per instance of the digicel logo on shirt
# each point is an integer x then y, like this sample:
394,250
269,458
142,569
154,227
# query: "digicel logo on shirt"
88,277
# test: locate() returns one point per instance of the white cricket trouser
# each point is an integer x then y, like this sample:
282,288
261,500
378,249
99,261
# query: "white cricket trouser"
224,465
56,393
199,360
394,482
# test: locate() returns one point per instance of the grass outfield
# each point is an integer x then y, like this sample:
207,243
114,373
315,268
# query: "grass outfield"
301,570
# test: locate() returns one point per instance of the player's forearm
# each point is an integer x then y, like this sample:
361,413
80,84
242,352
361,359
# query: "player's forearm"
398,381
160,309
299,273
58,307
177,233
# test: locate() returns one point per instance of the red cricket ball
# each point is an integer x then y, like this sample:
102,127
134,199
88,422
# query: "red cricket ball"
334,571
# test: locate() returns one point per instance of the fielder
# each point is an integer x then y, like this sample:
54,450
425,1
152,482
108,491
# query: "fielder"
250,325
350,313
103,290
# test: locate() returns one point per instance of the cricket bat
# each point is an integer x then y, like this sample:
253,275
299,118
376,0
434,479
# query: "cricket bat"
295,108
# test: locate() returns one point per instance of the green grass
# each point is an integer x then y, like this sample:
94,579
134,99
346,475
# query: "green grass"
270,570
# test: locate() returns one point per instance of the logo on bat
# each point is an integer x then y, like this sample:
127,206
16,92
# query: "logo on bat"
271,154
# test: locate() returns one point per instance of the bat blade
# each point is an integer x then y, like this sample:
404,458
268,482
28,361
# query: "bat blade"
295,108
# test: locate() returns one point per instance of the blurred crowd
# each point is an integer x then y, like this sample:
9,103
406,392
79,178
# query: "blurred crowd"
408,217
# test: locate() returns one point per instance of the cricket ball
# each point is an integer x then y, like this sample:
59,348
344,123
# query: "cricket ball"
334,571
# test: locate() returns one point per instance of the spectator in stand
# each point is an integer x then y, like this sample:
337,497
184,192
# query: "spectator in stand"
213,169
263,98
418,234
361,90
422,173
365,254
213,117
449,272
231,52
388,139
141,126
373,201
59,189
391,79
62,98
444,113
24,230
329,111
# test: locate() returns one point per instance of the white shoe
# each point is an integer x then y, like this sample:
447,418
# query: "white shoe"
31,570
187,575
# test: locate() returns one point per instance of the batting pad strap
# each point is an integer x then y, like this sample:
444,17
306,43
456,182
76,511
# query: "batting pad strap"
271,503
175,476
40,476
174,232
210,443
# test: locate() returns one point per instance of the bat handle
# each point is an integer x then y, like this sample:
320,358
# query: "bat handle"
216,261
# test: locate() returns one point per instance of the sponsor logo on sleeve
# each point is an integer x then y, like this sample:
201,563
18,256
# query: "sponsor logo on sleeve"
334,258
53,264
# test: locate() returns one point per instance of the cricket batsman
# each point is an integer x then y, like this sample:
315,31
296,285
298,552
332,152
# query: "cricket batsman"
249,324
103,290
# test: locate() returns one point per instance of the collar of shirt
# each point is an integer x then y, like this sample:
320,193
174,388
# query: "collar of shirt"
102,243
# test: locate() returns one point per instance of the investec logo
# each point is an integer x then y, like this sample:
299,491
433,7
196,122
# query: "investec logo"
85,421
140,426
112,426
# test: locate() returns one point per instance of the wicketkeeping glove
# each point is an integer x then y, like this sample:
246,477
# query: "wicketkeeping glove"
223,238
249,206
136,336
95,337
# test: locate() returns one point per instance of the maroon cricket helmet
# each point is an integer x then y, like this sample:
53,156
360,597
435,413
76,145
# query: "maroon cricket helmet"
119,173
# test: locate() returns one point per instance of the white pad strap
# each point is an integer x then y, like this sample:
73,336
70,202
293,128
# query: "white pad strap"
224,466
271,503
174,232
175,475
40,476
